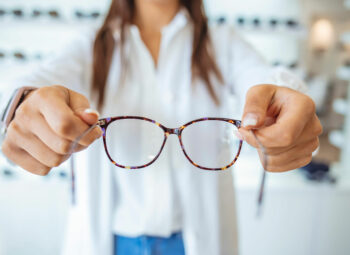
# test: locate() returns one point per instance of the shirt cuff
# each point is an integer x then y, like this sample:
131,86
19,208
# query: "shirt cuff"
282,77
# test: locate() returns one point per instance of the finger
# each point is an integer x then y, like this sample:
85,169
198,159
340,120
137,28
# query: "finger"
300,151
35,147
310,133
312,130
89,116
23,159
295,112
257,102
295,164
30,118
66,123
43,131
279,151
81,106
249,138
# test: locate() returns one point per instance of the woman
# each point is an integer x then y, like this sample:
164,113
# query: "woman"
159,59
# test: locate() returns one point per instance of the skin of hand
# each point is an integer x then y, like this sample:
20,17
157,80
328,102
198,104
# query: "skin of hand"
285,123
44,127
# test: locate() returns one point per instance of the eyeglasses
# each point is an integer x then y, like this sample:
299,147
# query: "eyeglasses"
133,142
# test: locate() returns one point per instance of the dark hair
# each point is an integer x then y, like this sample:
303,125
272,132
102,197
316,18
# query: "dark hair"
203,61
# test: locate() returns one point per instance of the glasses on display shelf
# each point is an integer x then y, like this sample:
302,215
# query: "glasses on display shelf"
273,22
133,142
18,13
87,15
256,22
19,55
55,14
292,23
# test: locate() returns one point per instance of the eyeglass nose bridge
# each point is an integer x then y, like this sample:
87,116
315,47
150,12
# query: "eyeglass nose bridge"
172,131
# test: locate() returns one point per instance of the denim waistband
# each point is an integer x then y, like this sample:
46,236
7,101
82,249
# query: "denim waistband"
149,245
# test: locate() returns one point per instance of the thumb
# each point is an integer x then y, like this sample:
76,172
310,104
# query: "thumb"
90,116
81,107
257,102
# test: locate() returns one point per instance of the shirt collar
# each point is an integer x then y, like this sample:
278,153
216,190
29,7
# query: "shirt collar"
181,20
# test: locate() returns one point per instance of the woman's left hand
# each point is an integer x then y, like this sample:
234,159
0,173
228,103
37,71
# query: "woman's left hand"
285,122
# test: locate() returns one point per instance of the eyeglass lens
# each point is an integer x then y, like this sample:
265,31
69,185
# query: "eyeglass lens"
133,142
211,143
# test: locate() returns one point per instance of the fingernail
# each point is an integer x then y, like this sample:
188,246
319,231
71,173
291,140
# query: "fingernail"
250,120
92,111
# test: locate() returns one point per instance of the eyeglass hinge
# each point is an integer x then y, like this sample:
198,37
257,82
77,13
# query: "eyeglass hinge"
101,122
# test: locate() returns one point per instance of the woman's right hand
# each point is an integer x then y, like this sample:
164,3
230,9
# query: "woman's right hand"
44,127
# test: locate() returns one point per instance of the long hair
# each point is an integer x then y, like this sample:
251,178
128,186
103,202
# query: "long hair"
203,62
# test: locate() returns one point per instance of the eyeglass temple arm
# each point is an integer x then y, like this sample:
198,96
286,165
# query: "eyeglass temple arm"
263,178
72,149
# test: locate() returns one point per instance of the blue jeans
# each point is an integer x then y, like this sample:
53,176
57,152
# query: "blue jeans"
149,245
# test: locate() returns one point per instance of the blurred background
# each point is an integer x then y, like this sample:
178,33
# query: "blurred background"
305,212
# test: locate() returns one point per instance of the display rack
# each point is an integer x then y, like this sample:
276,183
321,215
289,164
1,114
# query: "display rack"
341,138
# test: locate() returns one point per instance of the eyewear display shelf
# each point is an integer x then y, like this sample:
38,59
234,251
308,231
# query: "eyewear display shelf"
342,137
343,167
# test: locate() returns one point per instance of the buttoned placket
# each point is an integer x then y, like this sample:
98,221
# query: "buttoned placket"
161,200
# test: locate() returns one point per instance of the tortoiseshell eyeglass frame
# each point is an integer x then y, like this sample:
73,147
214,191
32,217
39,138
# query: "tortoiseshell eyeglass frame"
104,123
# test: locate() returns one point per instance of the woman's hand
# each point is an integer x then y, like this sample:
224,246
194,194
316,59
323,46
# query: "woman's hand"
285,123
45,124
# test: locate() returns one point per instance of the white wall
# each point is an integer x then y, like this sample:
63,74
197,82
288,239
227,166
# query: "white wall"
274,8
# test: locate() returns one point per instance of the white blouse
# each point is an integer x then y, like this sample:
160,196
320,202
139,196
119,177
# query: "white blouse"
171,194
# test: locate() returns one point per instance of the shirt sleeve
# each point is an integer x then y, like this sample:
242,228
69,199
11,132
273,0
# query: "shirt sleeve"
69,66
250,69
